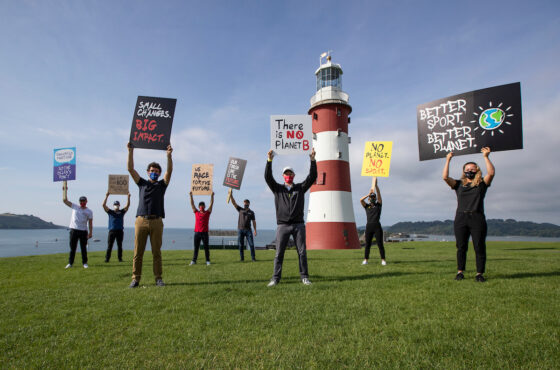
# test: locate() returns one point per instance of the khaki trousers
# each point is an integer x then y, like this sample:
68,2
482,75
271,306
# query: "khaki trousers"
142,229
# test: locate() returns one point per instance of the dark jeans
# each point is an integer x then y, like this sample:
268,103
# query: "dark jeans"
283,232
114,235
201,236
241,235
376,230
470,224
75,236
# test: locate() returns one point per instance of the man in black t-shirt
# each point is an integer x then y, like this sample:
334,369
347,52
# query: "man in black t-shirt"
246,215
150,214
373,226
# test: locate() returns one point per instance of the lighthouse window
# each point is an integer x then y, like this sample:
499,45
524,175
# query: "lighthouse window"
329,77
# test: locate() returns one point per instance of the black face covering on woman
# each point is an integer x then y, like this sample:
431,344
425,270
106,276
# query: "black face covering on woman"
470,175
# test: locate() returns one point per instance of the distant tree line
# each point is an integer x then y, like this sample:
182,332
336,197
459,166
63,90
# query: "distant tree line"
496,227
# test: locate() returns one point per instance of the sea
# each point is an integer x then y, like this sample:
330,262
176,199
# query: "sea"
15,243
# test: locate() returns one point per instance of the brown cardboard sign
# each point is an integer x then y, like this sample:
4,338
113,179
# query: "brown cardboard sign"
118,184
201,179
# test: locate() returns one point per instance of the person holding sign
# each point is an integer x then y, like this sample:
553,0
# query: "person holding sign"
116,226
202,217
150,214
289,199
246,215
373,226
82,219
469,217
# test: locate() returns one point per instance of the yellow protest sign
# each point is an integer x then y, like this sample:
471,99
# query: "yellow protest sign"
377,158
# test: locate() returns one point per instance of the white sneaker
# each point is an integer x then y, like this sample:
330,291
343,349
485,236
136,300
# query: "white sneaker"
306,281
192,263
207,263
68,266
86,265
272,283
365,262
383,263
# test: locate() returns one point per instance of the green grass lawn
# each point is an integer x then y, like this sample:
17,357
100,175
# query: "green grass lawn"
408,314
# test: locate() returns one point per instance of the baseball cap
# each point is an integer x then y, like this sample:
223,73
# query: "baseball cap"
288,169
83,199
116,203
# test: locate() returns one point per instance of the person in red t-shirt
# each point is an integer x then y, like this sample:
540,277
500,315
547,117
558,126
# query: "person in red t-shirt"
202,216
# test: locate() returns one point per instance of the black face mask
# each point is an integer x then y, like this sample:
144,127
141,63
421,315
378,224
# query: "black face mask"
470,175
246,206
372,199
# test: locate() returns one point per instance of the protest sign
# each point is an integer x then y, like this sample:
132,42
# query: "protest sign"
291,134
118,184
234,173
64,164
377,158
151,124
465,123
201,179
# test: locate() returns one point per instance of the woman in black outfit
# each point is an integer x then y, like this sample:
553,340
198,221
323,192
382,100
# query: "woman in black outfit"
469,218
373,226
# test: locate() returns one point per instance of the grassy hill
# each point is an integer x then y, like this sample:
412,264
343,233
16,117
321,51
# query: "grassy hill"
408,314
12,221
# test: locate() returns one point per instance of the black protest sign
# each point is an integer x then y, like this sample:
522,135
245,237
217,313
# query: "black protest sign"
151,124
234,173
466,123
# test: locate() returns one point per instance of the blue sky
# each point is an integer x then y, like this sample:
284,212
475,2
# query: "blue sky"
72,70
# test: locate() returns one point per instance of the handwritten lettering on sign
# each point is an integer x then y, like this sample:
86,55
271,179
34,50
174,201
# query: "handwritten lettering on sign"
465,123
234,173
152,121
377,158
291,134
64,168
118,184
201,179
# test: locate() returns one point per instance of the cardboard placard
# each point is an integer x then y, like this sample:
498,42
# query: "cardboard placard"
291,134
118,184
377,158
151,123
234,172
64,168
201,179
465,123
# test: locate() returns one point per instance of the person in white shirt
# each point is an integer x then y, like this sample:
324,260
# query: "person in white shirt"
81,220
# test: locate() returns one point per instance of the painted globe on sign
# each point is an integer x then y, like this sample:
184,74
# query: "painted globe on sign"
491,118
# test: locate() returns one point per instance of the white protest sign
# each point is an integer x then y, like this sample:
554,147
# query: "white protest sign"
291,134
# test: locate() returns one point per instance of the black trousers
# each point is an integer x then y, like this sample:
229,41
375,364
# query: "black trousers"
114,235
470,224
75,236
198,237
283,232
377,231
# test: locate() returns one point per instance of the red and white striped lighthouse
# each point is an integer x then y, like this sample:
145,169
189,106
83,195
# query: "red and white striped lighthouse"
330,219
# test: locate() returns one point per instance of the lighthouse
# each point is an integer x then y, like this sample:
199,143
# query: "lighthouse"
330,219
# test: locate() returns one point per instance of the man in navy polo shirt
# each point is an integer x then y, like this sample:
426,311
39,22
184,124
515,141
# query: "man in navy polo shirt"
116,226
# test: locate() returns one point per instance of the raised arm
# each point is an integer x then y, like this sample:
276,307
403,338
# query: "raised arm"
232,199
127,203
211,203
130,164
445,175
312,172
490,170
105,202
65,194
272,184
167,175
378,193
192,202
362,199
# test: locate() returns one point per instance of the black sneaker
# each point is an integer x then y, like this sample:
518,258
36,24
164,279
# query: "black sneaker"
160,282
459,276
479,278
134,284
